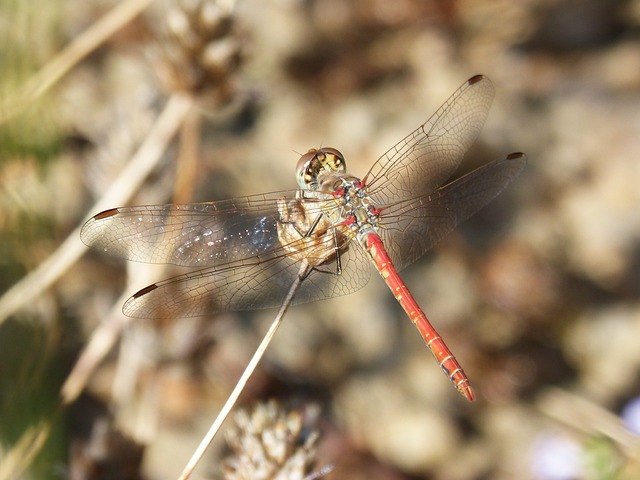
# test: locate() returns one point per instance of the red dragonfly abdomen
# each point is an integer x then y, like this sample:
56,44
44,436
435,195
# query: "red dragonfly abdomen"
439,349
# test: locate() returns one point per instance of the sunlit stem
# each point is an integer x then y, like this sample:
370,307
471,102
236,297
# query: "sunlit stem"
248,371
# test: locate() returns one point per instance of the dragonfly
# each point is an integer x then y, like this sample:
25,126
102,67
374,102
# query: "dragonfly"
324,237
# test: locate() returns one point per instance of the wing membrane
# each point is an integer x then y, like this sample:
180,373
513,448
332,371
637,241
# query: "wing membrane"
246,285
237,242
193,235
411,227
429,155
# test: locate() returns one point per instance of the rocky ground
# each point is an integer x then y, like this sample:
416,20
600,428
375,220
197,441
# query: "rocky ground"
538,294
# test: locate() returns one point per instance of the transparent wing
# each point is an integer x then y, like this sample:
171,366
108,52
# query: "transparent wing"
249,284
428,156
193,235
411,227
236,240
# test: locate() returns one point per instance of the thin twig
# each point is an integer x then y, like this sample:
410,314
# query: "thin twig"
120,192
251,366
73,53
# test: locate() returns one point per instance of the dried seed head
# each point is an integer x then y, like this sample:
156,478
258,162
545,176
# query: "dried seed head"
270,443
200,47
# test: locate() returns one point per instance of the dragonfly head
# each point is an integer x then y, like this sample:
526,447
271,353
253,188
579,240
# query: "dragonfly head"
315,164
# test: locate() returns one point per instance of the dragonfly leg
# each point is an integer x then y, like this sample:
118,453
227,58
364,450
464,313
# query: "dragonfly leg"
336,246
303,233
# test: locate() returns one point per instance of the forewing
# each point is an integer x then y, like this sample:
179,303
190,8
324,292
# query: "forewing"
200,234
237,241
411,227
428,156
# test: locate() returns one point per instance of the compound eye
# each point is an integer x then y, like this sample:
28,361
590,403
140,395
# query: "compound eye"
304,168
332,161
316,163
331,152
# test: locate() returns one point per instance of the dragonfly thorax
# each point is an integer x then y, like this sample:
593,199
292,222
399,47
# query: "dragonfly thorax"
356,213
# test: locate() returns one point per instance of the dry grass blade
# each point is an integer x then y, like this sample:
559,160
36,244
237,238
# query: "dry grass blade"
84,44
16,461
100,344
120,191
42,277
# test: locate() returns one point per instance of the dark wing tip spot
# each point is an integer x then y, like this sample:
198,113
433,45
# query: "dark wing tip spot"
515,156
106,214
144,291
475,79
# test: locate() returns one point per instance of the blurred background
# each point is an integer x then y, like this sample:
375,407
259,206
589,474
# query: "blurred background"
150,102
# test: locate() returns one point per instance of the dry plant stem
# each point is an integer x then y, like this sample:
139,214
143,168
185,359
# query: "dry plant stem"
33,284
73,53
588,417
140,165
15,461
131,360
103,339
251,366
100,344
187,168
144,425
